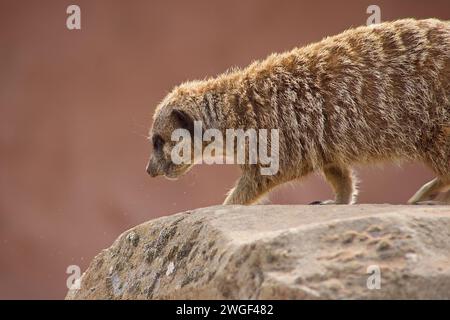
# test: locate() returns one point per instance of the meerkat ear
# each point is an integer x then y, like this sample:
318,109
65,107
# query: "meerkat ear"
184,120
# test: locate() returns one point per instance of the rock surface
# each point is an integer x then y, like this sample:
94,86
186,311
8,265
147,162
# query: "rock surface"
278,252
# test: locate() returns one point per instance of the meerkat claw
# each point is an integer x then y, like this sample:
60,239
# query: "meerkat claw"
319,202
431,203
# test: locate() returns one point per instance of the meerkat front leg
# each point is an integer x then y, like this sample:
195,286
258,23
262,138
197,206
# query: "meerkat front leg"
250,188
342,181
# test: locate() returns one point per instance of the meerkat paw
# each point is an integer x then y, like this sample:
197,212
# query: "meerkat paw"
431,203
319,202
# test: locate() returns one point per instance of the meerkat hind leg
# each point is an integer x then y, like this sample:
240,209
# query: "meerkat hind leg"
341,179
446,197
430,190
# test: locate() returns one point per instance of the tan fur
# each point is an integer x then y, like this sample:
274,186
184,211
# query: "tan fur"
366,95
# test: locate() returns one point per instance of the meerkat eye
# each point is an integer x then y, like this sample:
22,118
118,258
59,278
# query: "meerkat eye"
158,142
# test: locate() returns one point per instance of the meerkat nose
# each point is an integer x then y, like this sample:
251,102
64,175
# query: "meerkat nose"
150,170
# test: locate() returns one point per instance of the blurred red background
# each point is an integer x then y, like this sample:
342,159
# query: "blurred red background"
76,107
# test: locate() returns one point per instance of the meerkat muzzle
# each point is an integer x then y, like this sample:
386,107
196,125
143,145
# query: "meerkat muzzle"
151,170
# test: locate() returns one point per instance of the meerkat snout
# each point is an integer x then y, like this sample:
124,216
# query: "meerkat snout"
151,168
156,162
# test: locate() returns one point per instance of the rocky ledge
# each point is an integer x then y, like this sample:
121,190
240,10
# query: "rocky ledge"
278,252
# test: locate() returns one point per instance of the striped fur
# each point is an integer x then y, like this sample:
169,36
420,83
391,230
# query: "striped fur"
369,94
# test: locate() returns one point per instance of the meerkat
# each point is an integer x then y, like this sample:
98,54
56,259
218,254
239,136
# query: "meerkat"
370,94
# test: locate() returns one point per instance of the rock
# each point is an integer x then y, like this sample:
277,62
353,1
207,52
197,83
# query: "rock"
278,252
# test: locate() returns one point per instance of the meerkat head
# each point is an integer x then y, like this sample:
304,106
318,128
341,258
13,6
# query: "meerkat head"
178,110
